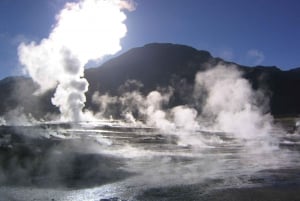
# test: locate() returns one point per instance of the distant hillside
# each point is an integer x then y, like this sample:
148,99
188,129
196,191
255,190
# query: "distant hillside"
153,64
161,65
17,92
158,65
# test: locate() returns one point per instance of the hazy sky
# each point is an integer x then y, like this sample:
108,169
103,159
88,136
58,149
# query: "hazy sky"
249,32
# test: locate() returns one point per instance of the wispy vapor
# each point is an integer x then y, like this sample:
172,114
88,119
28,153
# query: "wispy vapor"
232,104
226,53
255,56
128,4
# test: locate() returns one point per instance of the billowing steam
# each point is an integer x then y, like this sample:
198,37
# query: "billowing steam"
228,104
85,30
222,133
231,103
231,115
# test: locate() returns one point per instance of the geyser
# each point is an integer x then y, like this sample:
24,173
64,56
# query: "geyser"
84,30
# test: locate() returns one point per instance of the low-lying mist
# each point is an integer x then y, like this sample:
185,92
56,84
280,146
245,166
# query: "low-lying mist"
228,104
183,144
223,131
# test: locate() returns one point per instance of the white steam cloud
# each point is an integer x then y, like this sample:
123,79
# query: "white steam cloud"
256,56
228,104
231,104
85,30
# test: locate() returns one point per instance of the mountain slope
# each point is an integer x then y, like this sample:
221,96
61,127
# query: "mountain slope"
162,65
18,93
158,65
153,64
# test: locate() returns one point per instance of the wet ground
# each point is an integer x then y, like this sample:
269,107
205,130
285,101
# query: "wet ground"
112,161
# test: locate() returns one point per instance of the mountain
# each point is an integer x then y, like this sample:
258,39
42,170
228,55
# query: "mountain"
161,65
154,65
158,65
282,87
18,93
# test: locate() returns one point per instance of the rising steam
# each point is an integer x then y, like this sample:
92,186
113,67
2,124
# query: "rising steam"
231,103
177,145
228,104
85,30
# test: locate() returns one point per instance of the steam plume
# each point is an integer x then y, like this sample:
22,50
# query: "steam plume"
231,104
228,104
85,30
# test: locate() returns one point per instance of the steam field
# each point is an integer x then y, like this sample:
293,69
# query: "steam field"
129,143
111,160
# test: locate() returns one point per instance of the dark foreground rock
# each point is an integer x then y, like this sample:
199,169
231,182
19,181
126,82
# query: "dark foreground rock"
290,193
266,185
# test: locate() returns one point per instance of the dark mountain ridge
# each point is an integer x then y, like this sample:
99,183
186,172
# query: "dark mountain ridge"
158,65
153,65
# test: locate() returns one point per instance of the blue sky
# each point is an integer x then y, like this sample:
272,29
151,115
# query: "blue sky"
249,32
